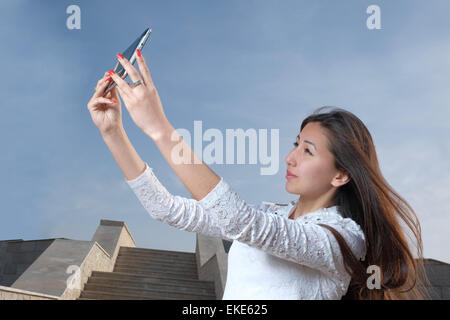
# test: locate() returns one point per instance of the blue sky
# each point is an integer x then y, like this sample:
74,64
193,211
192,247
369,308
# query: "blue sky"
230,64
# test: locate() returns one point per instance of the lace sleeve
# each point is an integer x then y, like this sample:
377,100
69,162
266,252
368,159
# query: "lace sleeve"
302,241
179,212
221,213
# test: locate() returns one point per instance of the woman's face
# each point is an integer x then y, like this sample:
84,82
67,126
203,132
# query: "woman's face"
312,164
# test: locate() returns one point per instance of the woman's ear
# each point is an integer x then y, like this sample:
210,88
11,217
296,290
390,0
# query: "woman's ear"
340,179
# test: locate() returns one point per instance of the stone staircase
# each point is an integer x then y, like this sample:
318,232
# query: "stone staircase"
149,274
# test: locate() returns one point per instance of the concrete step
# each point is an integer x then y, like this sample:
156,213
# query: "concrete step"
115,276
143,251
146,250
158,272
94,284
142,259
144,293
203,287
152,256
156,265
164,278
95,295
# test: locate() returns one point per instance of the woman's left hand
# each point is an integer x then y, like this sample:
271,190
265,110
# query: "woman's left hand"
142,102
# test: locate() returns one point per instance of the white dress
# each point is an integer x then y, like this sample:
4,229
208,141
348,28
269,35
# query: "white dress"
272,257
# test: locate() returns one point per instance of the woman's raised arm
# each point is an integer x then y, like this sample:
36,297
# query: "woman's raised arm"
124,153
106,114
145,108
196,176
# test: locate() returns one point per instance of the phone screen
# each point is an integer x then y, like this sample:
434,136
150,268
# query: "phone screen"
128,54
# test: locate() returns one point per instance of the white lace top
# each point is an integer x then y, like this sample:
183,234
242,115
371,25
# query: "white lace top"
272,257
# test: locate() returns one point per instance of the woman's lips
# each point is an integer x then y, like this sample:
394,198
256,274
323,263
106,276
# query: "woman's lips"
289,175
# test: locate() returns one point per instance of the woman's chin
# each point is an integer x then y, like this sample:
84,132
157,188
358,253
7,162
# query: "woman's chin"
290,189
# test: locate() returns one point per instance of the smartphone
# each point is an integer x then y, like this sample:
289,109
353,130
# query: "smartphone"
130,54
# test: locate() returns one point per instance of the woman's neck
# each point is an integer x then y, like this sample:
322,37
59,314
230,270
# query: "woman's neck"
304,206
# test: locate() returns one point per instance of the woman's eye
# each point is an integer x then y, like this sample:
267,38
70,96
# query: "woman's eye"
306,149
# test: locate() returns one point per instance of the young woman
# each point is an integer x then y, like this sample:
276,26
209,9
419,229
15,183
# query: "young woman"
347,218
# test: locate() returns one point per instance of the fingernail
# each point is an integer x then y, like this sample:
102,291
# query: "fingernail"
114,101
139,53
110,72
119,56
108,79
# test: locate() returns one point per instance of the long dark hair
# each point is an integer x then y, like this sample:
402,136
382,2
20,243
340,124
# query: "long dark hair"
371,202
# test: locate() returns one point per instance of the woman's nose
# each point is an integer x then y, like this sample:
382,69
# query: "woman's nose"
289,159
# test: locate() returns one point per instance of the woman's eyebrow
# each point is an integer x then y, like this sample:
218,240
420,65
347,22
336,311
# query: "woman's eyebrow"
307,141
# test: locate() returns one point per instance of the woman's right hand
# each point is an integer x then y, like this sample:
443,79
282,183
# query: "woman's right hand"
106,111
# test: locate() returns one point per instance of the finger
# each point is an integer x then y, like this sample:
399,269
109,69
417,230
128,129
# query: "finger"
101,100
113,91
114,94
100,90
99,82
129,68
122,85
143,68
96,102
